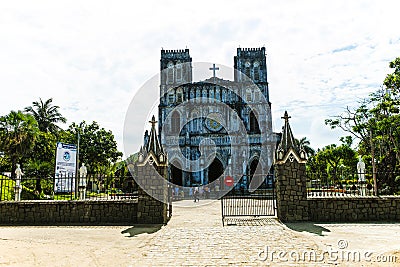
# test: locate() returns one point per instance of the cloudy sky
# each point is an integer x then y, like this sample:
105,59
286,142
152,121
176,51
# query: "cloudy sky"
92,56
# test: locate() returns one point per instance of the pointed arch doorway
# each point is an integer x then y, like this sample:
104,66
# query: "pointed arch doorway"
176,173
255,174
215,170
256,201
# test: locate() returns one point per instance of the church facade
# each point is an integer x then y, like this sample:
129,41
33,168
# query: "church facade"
215,128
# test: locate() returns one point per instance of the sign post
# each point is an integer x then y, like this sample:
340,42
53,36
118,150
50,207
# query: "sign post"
229,181
65,171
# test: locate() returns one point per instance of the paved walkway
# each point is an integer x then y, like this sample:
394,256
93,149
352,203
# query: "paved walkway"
195,237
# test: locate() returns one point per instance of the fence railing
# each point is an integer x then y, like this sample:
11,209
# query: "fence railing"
261,202
350,185
93,187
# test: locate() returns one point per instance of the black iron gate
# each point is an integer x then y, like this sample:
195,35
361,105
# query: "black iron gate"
241,202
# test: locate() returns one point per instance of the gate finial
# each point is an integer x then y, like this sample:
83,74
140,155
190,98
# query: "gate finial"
288,144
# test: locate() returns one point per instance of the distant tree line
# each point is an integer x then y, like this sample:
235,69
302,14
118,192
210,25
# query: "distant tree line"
29,137
375,125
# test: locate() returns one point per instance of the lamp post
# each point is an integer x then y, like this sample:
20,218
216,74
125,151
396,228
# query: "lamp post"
373,164
77,163
341,168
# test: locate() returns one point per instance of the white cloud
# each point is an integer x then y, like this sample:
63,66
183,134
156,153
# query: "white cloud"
91,56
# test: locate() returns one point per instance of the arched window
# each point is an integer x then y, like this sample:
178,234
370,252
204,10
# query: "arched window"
212,95
218,94
204,95
171,97
257,95
247,70
248,96
170,72
192,94
254,128
179,95
178,71
198,94
256,71
175,122
195,121
224,98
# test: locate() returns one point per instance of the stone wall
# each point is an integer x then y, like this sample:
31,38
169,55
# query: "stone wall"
152,183
293,204
291,191
354,209
68,212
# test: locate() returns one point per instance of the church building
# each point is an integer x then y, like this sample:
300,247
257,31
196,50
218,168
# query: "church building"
215,128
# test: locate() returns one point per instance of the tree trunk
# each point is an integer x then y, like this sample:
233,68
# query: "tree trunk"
373,165
38,185
13,167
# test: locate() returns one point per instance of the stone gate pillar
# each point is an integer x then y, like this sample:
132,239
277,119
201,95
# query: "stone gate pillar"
290,171
152,171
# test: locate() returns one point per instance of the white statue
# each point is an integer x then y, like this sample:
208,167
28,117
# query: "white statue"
18,187
18,173
82,174
82,181
83,170
361,170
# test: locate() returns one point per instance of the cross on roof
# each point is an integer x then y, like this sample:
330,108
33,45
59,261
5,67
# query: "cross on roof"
153,122
214,69
286,117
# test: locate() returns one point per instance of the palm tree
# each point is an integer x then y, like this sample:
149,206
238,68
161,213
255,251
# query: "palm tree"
18,132
305,144
46,115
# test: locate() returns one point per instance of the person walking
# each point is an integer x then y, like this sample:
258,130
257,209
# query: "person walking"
196,195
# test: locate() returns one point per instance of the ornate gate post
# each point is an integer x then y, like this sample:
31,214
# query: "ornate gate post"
290,167
152,171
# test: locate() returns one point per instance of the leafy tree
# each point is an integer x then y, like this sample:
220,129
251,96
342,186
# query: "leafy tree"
98,148
305,144
360,124
43,155
376,124
392,80
334,156
316,166
5,162
47,115
328,161
18,133
41,159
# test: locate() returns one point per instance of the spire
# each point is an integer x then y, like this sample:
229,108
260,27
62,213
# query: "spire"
153,144
288,141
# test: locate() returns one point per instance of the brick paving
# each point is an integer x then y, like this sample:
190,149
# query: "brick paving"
193,237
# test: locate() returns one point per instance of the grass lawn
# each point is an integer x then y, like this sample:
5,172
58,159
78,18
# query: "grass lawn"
6,188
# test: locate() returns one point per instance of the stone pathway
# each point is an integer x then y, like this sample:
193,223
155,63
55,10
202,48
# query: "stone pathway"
195,237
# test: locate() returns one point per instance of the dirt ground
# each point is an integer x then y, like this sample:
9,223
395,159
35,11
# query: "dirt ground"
194,237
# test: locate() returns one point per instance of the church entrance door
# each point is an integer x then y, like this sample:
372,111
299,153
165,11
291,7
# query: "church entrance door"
176,174
255,175
257,200
215,170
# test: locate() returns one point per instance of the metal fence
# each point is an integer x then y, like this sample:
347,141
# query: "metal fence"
349,185
260,202
93,187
